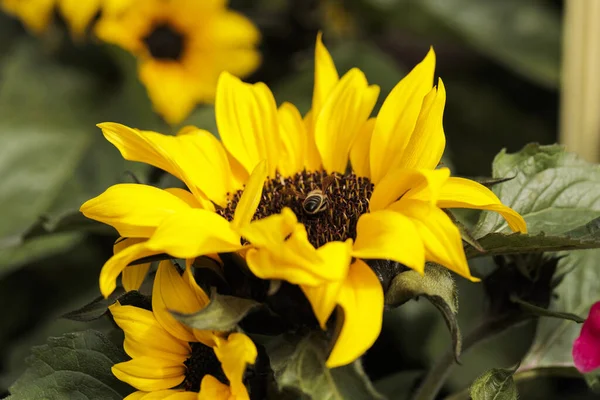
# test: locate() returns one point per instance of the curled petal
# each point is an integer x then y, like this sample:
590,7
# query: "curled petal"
361,299
235,353
134,275
465,193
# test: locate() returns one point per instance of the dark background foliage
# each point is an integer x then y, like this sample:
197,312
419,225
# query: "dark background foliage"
499,61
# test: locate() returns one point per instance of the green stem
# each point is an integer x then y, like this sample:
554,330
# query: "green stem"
437,375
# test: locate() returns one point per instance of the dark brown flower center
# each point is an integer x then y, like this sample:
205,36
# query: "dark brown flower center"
165,43
328,215
203,361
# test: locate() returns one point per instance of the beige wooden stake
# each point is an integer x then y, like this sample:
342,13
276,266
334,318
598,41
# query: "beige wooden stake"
580,97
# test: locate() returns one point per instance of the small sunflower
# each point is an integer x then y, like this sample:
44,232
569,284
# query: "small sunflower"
182,47
37,15
261,192
171,360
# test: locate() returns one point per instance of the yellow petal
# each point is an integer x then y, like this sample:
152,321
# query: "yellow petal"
192,233
442,239
246,207
145,336
197,158
388,235
342,116
133,276
293,137
361,298
284,252
212,389
118,262
465,193
247,120
235,353
35,15
398,116
170,88
323,299
427,143
408,183
162,395
312,161
79,14
185,196
326,76
359,153
146,373
172,292
133,210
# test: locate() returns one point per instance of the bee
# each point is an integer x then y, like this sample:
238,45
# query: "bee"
316,200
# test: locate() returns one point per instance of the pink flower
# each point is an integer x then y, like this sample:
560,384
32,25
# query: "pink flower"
586,348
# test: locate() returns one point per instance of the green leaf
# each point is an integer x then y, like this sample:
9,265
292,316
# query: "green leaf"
398,386
99,306
553,190
495,384
223,313
543,312
438,287
499,243
54,156
523,35
75,365
575,294
593,381
301,366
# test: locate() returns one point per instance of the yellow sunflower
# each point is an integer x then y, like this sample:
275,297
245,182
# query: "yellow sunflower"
258,186
166,354
182,47
37,15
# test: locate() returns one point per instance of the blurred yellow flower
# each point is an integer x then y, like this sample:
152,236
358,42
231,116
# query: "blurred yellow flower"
37,15
264,182
182,47
165,354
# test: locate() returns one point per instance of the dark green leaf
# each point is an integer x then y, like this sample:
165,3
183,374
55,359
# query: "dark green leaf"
523,35
399,385
75,365
99,306
500,243
495,384
543,312
223,313
553,190
438,287
301,366
575,294
593,381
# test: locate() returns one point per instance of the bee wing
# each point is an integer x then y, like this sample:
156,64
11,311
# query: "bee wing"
293,192
327,181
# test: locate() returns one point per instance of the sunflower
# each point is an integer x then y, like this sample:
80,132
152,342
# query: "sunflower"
166,354
250,192
37,15
182,47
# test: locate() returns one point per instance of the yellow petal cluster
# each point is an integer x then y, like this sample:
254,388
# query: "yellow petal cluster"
159,345
398,151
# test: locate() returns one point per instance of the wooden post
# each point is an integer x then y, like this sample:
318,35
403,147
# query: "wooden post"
580,95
